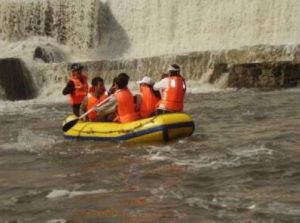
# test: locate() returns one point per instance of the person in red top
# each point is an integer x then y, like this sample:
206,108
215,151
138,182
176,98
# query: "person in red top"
97,94
123,101
77,87
173,90
148,98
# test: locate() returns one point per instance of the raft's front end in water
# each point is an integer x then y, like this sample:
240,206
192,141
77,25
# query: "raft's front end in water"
158,128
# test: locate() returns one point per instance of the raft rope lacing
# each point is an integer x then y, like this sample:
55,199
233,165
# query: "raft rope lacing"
131,130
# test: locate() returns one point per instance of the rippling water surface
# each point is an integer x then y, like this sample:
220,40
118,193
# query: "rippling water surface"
241,165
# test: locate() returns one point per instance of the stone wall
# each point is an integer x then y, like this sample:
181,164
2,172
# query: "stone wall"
260,75
261,67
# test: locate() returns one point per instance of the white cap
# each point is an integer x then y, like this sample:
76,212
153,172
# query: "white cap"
146,80
171,68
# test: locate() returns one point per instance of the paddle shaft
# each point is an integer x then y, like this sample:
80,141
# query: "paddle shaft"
67,126
93,108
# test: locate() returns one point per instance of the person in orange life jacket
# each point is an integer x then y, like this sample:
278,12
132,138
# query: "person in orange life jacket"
148,99
173,90
123,100
97,93
108,113
77,87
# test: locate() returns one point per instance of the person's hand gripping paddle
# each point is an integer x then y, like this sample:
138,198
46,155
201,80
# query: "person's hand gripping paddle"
68,124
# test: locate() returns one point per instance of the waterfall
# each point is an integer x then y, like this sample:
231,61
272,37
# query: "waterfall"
159,27
144,36
69,22
146,28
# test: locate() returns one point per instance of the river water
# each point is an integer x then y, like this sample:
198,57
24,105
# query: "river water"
241,165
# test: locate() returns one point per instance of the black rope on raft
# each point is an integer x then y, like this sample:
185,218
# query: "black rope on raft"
90,131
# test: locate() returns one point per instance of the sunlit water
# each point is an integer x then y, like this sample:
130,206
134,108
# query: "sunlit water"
241,165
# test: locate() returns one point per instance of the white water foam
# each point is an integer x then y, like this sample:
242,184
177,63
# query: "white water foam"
25,48
30,141
33,106
54,194
235,157
196,87
229,203
57,221
157,157
252,152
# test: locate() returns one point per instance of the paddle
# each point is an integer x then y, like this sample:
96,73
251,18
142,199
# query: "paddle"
69,124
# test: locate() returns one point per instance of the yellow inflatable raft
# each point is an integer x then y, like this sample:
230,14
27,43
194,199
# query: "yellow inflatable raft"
158,128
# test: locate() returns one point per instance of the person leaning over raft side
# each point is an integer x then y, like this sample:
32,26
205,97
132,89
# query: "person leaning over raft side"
77,87
148,98
97,93
173,90
124,101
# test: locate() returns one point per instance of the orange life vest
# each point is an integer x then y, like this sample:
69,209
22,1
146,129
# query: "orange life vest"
173,95
149,101
81,90
125,106
92,101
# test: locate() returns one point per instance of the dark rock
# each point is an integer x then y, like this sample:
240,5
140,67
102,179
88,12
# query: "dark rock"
49,54
264,75
218,70
16,79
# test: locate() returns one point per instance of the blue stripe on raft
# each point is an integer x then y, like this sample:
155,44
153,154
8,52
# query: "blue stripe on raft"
135,134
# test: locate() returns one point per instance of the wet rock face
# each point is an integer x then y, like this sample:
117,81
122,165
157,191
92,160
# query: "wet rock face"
264,75
16,80
49,54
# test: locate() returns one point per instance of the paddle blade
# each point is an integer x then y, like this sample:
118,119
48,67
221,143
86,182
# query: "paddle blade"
69,122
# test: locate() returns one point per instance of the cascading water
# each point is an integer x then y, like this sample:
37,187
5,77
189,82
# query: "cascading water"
150,33
174,26
154,28
69,22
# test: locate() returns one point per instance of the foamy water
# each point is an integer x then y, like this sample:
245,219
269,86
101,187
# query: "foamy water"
241,163
70,194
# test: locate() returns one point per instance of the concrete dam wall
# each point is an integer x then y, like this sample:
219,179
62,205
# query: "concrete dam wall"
160,27
231,36
254,43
